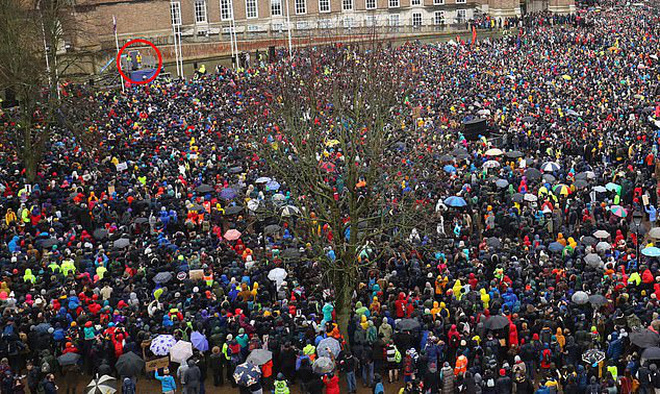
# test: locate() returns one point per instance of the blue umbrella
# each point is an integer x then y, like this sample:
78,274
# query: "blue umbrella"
555,247
651,251
246,374
228,194
449,168
455,201
272,185
199,341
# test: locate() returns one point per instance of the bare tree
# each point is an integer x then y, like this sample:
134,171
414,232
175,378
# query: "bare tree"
336,139
33,34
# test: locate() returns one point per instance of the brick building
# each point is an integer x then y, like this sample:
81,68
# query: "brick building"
205,25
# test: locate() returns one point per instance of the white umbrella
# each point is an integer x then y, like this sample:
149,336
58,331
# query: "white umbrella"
603,246
181,352
277,275
599,189
253,205
550,166
162,344
102,385
601,234
494,152
655,233
491,164
290,210
327,346
530,197
263,179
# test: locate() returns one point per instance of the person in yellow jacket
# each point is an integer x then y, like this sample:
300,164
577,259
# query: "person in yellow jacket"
457,289
10,216
485,298
281,387
29,276
68,266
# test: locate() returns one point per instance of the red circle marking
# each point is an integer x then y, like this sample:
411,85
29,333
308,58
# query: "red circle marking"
149,43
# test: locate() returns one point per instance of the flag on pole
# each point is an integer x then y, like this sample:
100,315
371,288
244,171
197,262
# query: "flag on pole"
474,35
114,24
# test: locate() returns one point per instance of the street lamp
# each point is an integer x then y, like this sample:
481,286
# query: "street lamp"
637,220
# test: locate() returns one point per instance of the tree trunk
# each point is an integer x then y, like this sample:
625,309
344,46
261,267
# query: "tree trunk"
31,162
344,284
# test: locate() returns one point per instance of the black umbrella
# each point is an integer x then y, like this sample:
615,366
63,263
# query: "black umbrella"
407,325
162,277
68,359
533,174
100,233
597,300
121,243
496,322
140,220
272,229
518,197
129,364
236,170
460,153
652,353
446,158
47,243
589,240
291,253
204,188
493,242
233,210
645,338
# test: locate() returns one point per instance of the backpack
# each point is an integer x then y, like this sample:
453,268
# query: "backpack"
397,356
45,366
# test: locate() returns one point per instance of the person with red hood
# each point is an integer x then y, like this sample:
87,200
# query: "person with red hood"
69,348
401,305
513,335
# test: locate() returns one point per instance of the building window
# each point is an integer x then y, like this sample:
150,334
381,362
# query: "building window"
302,25
278,26
394,20
301,7
460,15
372,20
226,10
275,7
416,2
417,18
251,9
325,24
371,4
439,17
324,5
438,2
347,5
175,12
461,1
348,23
393,3
200,11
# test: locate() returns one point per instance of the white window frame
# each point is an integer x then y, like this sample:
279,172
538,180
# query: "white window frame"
392,18
324,6
438,2
275,7
226,10
251,4
415,2
200,11
421,20
300,7
371,20
461,1
325,24
393,3
371,4
459,18
435,18
175,13
348,22
347,5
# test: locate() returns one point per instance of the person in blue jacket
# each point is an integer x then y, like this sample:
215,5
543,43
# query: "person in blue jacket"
167,383
615,347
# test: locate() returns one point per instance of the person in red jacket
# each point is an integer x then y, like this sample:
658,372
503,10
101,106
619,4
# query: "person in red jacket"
513,335
400,304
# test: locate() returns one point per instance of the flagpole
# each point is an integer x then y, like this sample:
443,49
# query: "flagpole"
114,27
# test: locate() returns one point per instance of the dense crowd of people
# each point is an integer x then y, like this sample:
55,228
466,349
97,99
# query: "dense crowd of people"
541,273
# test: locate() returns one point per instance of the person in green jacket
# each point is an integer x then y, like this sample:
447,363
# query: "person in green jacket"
281,387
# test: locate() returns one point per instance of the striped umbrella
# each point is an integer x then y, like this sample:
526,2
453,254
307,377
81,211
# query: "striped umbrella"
562,189
619,211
